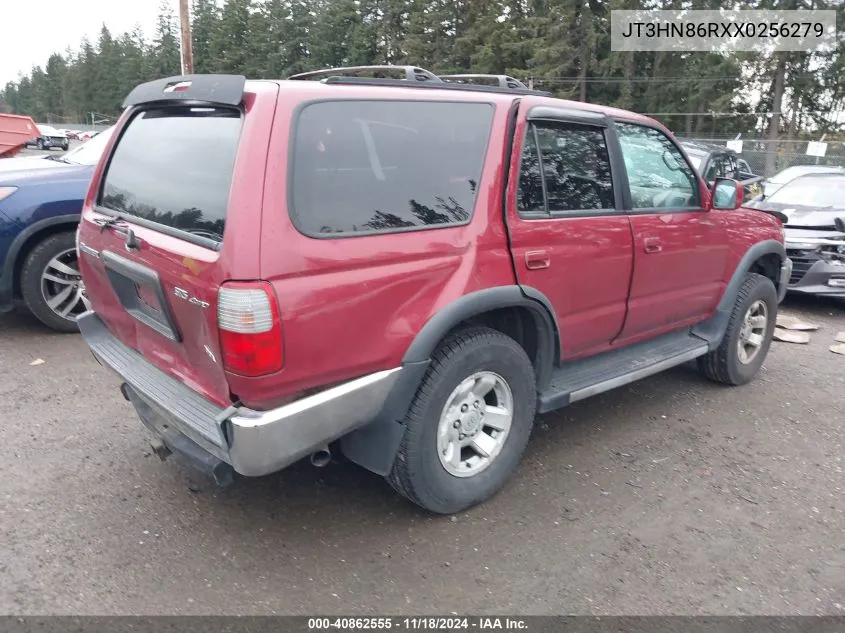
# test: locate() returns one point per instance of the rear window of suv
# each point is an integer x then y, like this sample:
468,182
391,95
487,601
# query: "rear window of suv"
362,167
173,167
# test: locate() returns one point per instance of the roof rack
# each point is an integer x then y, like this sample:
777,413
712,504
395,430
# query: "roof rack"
412,73
434,85
503,81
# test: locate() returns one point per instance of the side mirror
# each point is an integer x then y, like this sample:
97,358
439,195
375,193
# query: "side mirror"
839,223
726,195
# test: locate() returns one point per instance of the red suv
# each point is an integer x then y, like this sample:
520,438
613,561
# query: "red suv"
406,271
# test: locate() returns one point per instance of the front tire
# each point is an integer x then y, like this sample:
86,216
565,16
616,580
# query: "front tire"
749,334
51,284
468,424
39,143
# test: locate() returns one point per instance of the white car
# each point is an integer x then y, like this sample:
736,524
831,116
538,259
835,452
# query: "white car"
87,154
791,173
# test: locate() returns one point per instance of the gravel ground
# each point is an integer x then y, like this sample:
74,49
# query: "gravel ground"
671,496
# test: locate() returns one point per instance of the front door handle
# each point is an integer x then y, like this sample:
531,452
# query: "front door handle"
652,245
535,260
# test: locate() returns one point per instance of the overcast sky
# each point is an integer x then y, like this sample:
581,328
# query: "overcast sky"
42,27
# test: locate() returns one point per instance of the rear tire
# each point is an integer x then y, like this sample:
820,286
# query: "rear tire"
468,424
54,256
748,337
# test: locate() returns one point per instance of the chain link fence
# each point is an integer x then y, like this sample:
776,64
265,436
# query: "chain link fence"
767,157
93,122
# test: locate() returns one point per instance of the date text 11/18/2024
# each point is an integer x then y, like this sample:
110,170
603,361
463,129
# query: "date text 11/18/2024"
416,624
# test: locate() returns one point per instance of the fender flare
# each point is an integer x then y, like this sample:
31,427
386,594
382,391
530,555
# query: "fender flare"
714,328
7,281
375,445
482,301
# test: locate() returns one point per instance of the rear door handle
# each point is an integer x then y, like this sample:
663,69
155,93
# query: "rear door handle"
652,245
535,260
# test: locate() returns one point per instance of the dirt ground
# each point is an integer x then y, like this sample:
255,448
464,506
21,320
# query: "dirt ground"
671,496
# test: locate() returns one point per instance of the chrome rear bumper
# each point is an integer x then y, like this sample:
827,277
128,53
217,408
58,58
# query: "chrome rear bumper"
253,443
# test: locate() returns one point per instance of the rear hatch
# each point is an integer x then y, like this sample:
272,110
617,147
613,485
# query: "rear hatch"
158,235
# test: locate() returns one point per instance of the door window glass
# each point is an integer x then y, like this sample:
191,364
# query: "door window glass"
575,168
658,175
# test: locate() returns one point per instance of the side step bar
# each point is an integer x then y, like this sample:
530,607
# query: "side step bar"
584,378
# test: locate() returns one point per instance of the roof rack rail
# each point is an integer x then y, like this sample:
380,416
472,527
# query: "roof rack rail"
503,81
434,85
412,73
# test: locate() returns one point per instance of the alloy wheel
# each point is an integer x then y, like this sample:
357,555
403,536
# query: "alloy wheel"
62,288
474,424
752,333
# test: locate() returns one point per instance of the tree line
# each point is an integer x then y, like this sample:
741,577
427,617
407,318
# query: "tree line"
560,45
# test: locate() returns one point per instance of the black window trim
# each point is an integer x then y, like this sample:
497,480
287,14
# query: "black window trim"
291,134
568,116
165,229
658,210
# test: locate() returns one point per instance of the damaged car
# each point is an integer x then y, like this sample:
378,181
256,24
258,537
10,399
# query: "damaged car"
715,161
814,208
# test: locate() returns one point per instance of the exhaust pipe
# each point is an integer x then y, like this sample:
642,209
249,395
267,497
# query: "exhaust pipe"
322,457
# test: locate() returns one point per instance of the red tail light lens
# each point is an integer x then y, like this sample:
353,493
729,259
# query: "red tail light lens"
250,328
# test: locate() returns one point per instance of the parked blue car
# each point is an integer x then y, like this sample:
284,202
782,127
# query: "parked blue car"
40,203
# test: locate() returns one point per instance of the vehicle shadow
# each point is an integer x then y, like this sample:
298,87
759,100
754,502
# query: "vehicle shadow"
303,490
20,321
811,304
558,437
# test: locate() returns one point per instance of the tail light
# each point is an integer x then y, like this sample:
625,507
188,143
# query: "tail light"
250,328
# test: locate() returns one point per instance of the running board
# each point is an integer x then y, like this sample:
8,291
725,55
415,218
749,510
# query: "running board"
584,378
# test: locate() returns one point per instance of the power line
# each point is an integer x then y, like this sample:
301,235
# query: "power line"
824,112
661,77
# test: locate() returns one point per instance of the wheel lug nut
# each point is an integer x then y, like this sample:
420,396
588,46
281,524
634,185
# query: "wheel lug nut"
457,424
464,408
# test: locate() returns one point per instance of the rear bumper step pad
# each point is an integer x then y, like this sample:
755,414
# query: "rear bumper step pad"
253,443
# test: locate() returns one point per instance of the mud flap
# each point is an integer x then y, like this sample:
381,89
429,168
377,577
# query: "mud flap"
375,445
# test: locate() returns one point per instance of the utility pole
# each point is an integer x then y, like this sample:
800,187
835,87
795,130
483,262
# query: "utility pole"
777,107
185,30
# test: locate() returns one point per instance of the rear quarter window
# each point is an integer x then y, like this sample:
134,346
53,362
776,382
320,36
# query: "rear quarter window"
173,167
363,167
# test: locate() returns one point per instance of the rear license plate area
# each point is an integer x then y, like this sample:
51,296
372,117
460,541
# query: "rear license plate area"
139,290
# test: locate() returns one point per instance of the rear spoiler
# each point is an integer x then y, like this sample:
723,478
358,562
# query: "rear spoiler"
214,89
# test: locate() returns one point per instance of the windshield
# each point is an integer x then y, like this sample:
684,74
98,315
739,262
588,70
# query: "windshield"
812,192
89,153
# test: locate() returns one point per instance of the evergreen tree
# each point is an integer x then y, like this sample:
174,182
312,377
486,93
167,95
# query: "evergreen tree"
165,58
204,18
231,40
562,45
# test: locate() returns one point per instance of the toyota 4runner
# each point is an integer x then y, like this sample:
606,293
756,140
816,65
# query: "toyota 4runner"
407,271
